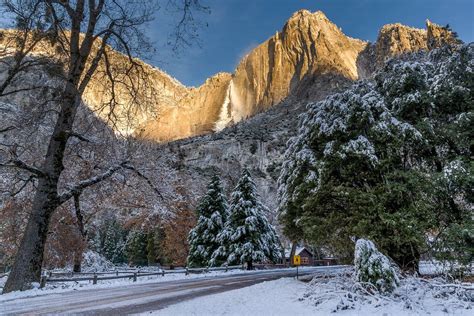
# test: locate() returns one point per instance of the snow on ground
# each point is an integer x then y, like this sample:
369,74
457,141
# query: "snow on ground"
330,296
414,296
59,287
280,297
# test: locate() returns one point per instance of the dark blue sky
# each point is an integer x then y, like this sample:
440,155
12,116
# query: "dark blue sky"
236,26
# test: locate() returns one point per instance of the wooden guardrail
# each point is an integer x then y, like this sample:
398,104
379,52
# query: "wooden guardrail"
134,274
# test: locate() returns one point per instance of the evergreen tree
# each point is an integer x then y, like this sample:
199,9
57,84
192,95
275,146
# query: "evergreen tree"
113,242
212,214
388,160
135,248
248,236
150,249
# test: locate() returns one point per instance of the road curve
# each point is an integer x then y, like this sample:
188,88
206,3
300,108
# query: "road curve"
138,298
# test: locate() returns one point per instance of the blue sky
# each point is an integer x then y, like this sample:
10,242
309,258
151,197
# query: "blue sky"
234,27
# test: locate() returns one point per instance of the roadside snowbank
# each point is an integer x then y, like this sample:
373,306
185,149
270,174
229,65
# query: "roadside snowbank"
58,287
280,297
329,296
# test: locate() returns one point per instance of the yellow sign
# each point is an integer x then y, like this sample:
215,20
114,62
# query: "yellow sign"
296,260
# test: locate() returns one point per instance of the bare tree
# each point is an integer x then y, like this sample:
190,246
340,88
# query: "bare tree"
82,35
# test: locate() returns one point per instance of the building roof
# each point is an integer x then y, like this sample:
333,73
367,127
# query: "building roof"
298,251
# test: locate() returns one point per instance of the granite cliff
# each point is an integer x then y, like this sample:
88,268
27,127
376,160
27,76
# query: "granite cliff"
289,63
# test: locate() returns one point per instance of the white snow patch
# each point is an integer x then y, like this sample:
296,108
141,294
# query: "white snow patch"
280,297
61,287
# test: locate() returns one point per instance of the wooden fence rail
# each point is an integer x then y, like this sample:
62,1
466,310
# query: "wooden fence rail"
55,276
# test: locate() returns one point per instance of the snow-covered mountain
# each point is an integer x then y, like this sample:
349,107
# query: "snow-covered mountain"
307,60
308,46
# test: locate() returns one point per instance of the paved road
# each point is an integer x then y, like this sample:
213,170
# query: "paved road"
138,298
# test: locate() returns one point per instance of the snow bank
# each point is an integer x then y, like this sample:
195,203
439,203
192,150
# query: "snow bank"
280,297
414,296
340,295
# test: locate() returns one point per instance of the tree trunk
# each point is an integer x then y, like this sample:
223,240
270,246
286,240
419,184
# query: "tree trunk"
29,259
249,265
77,267
83,243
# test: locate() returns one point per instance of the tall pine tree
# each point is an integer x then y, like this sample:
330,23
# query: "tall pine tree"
212,211
248,237
135,248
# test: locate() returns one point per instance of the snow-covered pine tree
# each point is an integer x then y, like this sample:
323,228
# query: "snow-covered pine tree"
248,236
212,212
113,241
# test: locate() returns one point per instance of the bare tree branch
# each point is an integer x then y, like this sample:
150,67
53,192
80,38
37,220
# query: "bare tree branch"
141,175
79,187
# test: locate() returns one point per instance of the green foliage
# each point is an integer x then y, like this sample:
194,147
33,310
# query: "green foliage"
136,248
388,159
113,242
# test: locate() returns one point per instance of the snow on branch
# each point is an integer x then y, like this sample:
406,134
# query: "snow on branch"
148,181
79,187
17,163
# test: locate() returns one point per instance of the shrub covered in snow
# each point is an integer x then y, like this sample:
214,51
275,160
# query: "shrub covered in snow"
413,296
94,262
372,267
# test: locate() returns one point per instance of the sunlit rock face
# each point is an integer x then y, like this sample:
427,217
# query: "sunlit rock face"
302,57
438,36
308,45
196,112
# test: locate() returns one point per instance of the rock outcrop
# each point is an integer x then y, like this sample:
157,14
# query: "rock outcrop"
438,36
296,61
195,113
308,45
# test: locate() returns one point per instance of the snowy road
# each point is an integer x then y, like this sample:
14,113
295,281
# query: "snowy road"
138,298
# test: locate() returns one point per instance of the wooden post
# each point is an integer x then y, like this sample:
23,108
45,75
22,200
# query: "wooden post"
94,280
187,271
226,267
116,272
50,274
162,272
134,277
43,282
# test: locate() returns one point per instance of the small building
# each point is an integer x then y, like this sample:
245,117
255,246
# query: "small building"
307,257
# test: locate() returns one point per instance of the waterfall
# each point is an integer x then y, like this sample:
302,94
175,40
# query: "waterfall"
225,116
